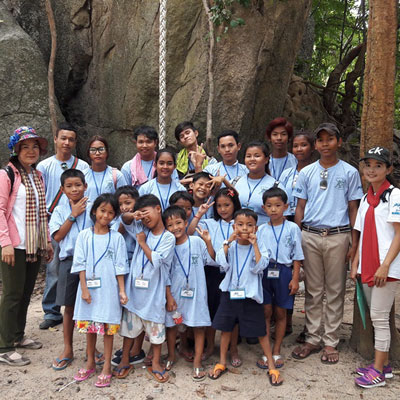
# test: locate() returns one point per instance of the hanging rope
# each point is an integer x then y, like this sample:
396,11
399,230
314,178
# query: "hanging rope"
162,71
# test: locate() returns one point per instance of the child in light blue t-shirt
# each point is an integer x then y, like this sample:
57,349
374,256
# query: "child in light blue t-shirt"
147,280
281,278
100,259
187,289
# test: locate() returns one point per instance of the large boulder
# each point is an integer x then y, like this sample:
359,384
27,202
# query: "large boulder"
23,83
107,64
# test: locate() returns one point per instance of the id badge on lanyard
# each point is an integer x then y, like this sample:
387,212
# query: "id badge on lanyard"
237,294
187,292
94,283
141,283
273,273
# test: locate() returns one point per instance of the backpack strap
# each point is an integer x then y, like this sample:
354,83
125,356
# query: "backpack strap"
11,176
58,195
114,176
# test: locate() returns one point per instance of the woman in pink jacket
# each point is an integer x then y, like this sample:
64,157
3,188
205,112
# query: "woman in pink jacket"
24,240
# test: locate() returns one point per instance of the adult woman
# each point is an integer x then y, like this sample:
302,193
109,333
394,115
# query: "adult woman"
24,240
101,178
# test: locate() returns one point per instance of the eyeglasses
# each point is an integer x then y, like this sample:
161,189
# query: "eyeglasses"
94,150
323,184
64,166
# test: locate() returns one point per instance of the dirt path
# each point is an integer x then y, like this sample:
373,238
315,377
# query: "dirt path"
303,379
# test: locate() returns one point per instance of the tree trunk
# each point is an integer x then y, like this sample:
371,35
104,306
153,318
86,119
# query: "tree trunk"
377,129
50,74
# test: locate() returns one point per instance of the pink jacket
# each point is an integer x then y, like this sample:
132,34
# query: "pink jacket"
8,228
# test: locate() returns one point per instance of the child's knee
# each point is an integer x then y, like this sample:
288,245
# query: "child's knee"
280,313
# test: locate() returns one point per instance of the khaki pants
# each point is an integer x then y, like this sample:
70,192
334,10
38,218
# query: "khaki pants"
325,272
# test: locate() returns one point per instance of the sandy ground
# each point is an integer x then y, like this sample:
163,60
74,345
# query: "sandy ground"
303,379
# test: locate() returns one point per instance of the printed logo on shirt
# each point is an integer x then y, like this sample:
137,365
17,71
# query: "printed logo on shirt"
109,255
195,258
340,182
396,210
288,241
298,190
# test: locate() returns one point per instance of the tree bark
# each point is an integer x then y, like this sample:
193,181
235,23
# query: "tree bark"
50,73
377,128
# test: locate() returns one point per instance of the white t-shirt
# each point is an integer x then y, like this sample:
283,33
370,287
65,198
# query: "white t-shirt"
385,214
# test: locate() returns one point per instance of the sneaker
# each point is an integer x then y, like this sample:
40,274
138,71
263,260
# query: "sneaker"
371,378
387,370
132,359
50,323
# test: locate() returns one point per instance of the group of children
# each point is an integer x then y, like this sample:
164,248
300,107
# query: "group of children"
193,246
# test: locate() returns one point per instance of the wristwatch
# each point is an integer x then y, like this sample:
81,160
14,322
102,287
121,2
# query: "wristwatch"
71,218
226,243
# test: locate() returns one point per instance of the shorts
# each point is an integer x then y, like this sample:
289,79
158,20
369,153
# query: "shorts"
276,291
99,328
213,279
247,313
67,284
132,326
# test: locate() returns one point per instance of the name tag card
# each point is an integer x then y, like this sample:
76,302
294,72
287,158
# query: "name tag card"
187,293
237,294
141,283
94,283
273,273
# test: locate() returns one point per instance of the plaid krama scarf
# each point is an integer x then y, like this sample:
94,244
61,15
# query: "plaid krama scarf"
35,242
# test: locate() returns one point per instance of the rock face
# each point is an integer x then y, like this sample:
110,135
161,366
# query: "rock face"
23,83
107,64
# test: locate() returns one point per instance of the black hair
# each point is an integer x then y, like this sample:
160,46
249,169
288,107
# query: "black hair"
275,192
199,175
99,139
263,147
66,126
228,132
107,198
166,150
72,173
181,194
247,213
14,161
173,211
147,131
183,126
127,190
148,200
231,194
307,134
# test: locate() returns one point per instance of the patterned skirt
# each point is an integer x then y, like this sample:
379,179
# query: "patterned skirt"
99,328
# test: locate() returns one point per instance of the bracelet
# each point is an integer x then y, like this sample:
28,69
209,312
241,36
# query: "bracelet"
196,216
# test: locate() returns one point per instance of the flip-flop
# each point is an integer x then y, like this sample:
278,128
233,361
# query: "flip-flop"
326,354
218,367
84,374
155,374
197,377
263,363
310,349
236,362
67,360
103,381
99,359
276,358
276,374
126,371
169,364
189,357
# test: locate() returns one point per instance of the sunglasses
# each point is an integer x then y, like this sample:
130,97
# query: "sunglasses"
323,184
94,150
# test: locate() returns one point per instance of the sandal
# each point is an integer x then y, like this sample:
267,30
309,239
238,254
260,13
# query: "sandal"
103,381
169,364
278,358
274,373
67,361
302,352
157,375
217,367
14,358
236,362
263,363
326,356
301,338
30,344
84,374
99,359
126,370
198,376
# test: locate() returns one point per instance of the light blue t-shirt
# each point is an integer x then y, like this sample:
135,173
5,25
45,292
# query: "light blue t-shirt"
162,191
219,230
250,272
51,171
59,216
328,208
102,182
288,180
130,241
289,239
105,306
208,214
231,171
126,171
278,165
194,310
251,192
149,304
